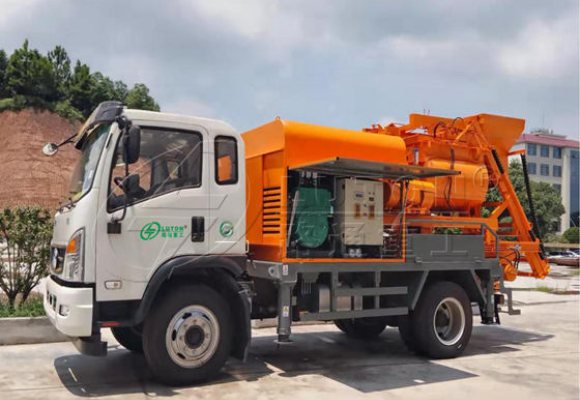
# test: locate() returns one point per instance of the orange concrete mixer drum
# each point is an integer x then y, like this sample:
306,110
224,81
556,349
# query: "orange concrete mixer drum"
420,196
464,192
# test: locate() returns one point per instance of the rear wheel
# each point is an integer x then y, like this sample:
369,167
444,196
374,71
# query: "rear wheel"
441,324
187,337
129,338
362,328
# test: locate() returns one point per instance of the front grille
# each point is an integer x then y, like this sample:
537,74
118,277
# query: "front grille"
272,206
51,299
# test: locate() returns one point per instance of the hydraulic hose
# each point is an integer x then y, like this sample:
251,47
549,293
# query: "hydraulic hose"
531,203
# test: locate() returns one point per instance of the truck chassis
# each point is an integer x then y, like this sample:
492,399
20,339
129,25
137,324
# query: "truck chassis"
391,289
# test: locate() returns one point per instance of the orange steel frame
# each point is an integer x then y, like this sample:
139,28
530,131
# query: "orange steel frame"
274,148
481,135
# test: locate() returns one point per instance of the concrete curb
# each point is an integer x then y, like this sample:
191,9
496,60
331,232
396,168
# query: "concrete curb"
28,330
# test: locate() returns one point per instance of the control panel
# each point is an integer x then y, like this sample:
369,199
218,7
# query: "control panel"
359,212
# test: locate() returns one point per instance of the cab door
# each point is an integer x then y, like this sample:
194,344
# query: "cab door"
227,228
166,214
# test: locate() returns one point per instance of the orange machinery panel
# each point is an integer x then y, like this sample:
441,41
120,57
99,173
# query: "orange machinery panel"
279,145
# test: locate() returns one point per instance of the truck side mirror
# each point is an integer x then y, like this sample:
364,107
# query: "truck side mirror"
132,145
50,149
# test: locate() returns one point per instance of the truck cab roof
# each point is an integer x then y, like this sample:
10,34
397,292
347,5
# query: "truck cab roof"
161,118
108,112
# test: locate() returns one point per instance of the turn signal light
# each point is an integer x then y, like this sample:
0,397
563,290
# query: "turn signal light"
72,245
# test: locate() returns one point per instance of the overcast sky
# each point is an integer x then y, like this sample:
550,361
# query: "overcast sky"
340,63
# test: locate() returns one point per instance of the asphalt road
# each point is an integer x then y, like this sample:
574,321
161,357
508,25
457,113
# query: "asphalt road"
531,356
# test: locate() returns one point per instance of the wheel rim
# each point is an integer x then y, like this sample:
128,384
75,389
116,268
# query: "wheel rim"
192,336
449,321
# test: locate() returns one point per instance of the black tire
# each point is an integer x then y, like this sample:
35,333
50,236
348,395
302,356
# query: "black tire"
159,342
443,306
129,338
406,334
362,328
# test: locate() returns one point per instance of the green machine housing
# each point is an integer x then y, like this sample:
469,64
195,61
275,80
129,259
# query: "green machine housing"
312,210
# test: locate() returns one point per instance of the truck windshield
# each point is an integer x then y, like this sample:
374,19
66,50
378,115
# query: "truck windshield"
84,172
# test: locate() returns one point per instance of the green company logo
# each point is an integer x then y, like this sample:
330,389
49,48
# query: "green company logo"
153,229
150,231
227,229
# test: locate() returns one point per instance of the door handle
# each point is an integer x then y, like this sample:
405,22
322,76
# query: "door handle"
197,229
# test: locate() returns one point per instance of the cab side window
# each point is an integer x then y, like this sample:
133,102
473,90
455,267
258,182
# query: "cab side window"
169,160
226,160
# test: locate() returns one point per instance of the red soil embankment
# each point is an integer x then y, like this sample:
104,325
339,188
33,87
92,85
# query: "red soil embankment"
28,177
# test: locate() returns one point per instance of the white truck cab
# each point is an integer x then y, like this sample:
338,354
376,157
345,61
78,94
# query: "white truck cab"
149,190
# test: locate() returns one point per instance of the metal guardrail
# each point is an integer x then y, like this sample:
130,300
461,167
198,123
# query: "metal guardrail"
563,245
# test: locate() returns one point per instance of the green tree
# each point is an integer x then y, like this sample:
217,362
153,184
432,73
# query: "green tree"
66,110
60,61
548,205
3,65
25,234
139,98
30,74
28,78
572,235
102,89
547,200
120,90
80,89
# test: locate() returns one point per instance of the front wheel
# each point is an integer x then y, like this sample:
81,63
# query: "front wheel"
187,337
441,323
129,338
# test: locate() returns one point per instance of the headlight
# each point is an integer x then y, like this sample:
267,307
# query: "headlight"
74,260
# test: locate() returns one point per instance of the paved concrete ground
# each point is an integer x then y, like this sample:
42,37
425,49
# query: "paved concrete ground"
531,356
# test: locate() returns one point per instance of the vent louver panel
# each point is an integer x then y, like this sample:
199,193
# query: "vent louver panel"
271,210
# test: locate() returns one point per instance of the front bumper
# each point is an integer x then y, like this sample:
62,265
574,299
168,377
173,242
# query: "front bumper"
70,309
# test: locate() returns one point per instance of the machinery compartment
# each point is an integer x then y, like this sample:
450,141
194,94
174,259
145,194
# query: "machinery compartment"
338,217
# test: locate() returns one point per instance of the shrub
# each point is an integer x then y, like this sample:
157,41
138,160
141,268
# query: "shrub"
554,238
25,234
15,103
66,110
19,102
572,235
6,104
32,308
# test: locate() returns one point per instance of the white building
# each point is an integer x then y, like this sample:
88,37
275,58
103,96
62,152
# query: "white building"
554,159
